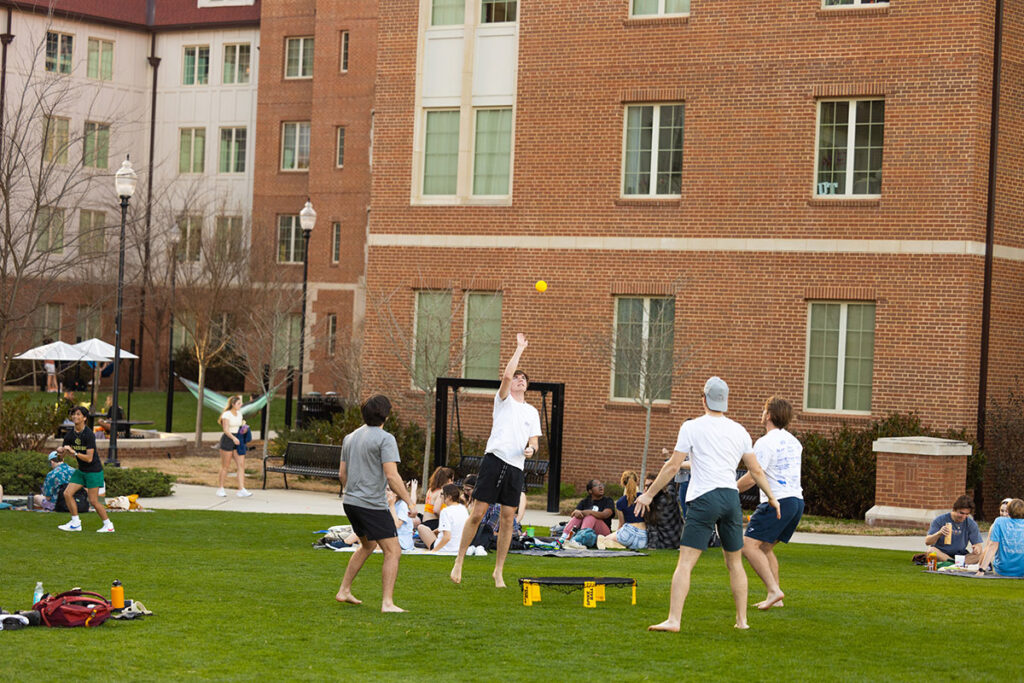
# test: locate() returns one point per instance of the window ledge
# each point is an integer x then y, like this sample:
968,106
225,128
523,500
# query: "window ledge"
809,416
852,10
846,202
633,406
643,22
652,202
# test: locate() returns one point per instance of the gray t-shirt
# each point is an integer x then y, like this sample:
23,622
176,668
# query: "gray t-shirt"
364,452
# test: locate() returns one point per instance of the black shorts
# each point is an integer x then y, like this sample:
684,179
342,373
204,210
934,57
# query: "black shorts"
498,482
226,444
370,524
431,523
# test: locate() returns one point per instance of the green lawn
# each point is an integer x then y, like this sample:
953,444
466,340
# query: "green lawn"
241,595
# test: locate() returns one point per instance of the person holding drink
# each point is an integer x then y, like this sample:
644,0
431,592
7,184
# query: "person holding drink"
950,533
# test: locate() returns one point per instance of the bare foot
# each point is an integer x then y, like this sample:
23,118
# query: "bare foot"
456,575
391,608
667,625
499,580
345,596
742,627
772,600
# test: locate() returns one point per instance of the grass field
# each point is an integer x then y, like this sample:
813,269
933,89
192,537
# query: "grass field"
241,595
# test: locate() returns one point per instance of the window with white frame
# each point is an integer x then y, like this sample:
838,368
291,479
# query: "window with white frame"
56,131
335,242
840,356
100,59
236,63
644,339
432,337
849,155
332,334
181,335
659,8
190,237
441,152
47,323
96,145
196,65
497,11
295,146
653,150
290,244
852,3
492,151
298,57
447,12
191,150
344,52
232,150
50,228
87,323
340,149
91,226
59,49
227,233
483,335
286,341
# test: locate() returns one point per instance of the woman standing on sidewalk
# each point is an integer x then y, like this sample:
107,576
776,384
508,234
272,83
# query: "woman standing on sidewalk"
231,421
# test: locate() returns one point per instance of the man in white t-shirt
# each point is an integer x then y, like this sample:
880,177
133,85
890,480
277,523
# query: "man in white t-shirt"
778,452
715,445
514,436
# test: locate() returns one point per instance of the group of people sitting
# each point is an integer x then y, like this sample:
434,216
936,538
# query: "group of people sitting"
596,512
955,533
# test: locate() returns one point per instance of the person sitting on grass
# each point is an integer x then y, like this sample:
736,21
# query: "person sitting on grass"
400,513
103,421
632,530
959,527
433,501
593,512
450,524
1004,551
56,479
1004,509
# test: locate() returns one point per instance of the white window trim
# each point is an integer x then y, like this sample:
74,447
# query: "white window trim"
472,154
192,152
335,241
851,137
99,66
480,18
465,336
660,14
195,75
296,239
224,55
234,142
332,334
841,360
297,168
339,146
857,4
645,332
302,53
416,330
653,171
60,40
344,46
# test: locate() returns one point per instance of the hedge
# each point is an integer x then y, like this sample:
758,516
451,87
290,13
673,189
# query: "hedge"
22,473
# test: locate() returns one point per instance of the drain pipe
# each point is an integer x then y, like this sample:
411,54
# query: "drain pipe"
5,38
154,62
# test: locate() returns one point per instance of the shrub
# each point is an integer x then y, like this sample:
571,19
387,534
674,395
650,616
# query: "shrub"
145,481
22,472
1004,447
25,425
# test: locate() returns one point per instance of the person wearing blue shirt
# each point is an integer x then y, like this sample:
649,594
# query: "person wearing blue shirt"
59,475
1004,551
958,527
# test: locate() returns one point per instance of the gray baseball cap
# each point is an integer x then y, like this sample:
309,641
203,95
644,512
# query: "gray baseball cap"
53,455
716,393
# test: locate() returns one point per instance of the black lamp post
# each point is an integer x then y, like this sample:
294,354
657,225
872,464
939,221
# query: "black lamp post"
124,183
169,412
307,219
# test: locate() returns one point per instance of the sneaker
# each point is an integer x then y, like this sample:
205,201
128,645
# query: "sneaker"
242,493
106,529
471,550
70,526
601,543
221,492
481,551
574,545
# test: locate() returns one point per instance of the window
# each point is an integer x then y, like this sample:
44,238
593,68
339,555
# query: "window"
653,8
227,233
441,152
196,65
335,242
290,247
50,228
295,146
850,3
236,63
447,12
100,62
55,139
192,150
341,146
344,52
332,334
433,337
47,323
58,52
644,337
492,152
286,341
96,147
181,335
483,335
653,150
298,57
190,237
87,323
232,150
840,356
91,226
850,147
496,11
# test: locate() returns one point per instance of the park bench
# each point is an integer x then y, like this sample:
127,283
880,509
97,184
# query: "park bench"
534,471
305,460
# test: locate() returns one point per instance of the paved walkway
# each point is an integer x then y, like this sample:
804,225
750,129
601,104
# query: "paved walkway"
293,501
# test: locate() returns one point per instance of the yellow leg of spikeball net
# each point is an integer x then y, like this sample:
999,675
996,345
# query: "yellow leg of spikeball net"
634,593
599,592
589,594
534,592
526,594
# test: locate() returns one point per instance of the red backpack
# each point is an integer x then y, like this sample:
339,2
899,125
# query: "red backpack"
73,608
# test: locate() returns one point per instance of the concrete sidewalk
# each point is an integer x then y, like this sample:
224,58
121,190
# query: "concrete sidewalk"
294,501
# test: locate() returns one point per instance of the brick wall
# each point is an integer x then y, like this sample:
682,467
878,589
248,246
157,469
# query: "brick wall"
919,481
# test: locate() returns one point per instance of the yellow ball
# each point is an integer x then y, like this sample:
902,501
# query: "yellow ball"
541,285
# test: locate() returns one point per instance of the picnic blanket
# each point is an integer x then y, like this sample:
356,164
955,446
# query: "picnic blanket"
968,574
571,552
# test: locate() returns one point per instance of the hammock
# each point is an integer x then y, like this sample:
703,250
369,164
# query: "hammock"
213,400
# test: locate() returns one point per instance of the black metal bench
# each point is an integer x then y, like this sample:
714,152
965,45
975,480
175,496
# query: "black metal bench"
305,460
534,471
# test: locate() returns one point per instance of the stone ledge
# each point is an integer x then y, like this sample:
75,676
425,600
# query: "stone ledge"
914,518
921,445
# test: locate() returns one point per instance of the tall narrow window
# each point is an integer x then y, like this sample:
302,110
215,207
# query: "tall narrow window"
290,242
55,139
341,147
335,242
332,334
59,49
236,63
96,145
447,12
47,323
100,61
227,233
653,150
191,150
190,237
232,150
441,152
497,11
483,335
850,136
298,57
433,337
840,356
653,8
50,228
644,339
492,152
344,51
295,146
87,322
286,342
91,226
196,69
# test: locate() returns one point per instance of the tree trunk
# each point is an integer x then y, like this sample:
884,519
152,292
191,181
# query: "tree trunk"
426,454
647,442
199,407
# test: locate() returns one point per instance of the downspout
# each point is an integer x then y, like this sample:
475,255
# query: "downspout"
986,298
154,62
5,38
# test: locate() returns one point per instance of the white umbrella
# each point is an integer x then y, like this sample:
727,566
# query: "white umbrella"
100,348
59,350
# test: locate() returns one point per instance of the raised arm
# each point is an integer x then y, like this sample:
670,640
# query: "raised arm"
513,364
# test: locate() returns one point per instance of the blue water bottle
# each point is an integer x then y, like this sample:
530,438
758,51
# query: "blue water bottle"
37,595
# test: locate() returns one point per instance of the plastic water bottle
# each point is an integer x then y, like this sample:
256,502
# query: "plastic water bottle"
37,595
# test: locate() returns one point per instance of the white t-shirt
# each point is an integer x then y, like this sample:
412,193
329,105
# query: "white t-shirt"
715,444
778,451
231,421
514,423
453,518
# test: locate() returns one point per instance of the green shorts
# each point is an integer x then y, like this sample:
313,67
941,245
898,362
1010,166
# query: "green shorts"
90,480
719,507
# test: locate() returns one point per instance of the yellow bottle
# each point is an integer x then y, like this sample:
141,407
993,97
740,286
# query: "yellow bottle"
117,595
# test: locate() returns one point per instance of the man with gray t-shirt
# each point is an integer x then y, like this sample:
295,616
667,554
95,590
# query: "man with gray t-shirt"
369,462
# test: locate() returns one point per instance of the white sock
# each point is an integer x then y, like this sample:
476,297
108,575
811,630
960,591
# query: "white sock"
107,523
75,520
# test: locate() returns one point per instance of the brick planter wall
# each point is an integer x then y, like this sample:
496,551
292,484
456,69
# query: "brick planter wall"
916,479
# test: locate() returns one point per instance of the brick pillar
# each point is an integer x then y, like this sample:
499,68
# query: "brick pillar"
917,478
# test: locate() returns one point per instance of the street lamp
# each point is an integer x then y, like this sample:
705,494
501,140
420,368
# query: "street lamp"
124,183
169,411
307,219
